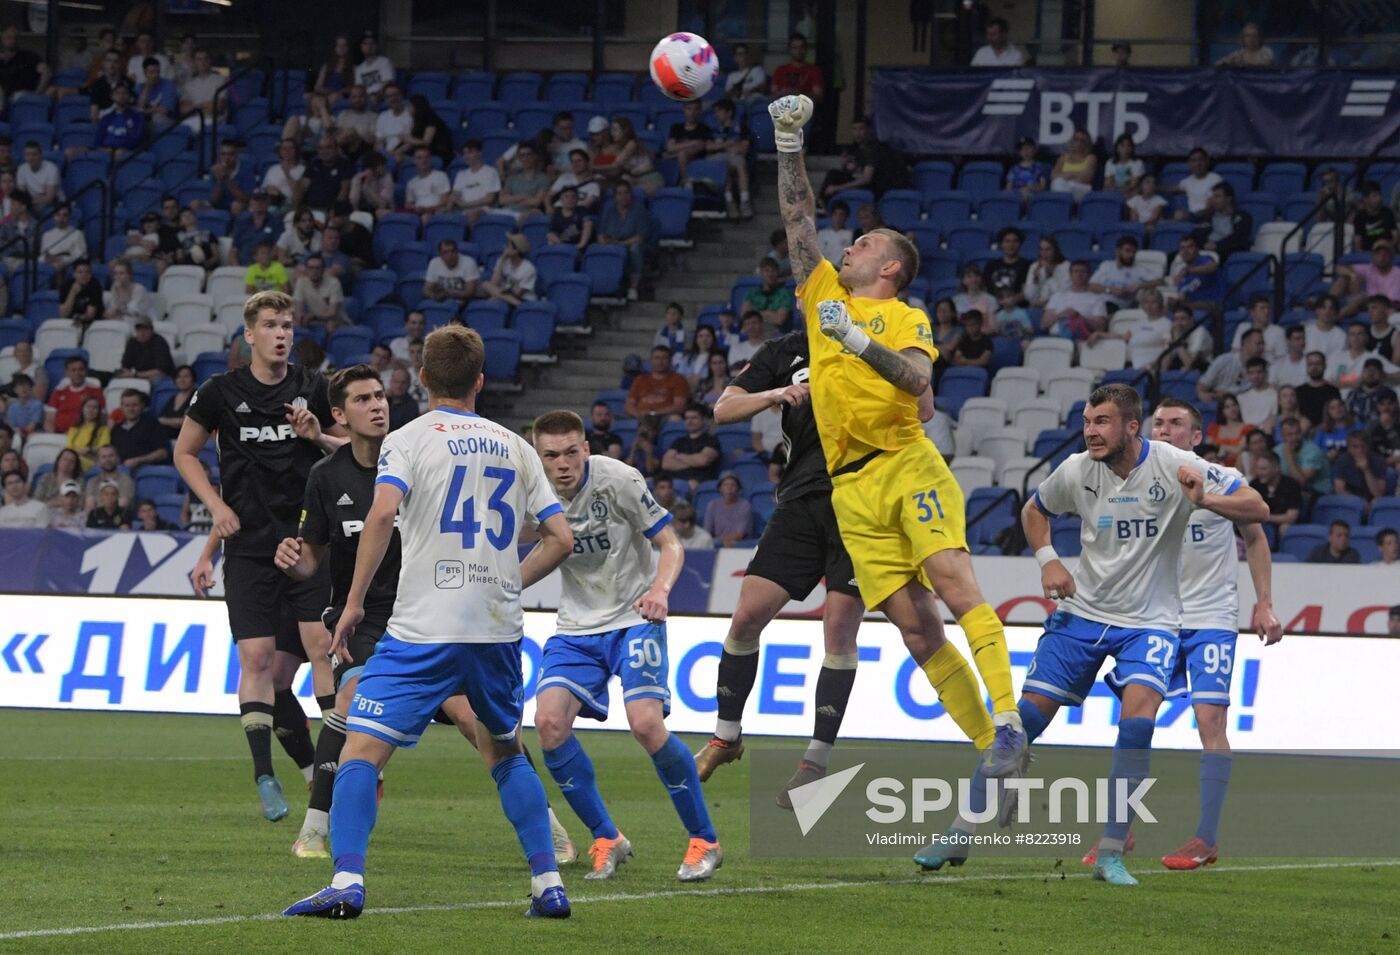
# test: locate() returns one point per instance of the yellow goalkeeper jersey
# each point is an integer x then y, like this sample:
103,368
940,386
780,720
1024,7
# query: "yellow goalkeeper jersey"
857,411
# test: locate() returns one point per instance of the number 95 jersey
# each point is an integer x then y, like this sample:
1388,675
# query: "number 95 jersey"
613,517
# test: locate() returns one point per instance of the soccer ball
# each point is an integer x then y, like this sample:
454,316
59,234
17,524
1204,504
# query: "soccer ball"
684,66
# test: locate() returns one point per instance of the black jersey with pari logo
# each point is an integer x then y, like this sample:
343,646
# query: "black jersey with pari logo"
263,465
781,362
338,495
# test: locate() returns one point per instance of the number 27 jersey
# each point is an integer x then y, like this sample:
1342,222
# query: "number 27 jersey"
469,484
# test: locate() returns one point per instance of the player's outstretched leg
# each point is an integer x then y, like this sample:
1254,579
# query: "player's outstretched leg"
953,580
676,768
289,721
313,840
354,810
760,599
255,713
523,799
1132,760
840,625
1216,762
572,771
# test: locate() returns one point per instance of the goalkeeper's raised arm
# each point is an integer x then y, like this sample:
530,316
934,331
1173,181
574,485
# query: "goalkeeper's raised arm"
795,201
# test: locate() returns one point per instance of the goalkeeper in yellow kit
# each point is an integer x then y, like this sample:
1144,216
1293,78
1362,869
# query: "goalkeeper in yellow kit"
898,507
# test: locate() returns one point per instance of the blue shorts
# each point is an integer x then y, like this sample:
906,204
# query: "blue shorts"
1072,649
403,684
583,664
1207,657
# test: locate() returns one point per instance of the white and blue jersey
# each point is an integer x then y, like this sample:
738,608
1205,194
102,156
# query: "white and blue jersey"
613,517
1210,600
1127,601
469,484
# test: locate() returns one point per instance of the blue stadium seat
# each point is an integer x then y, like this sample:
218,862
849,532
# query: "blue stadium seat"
1109,235
1167,236
473,87
900,208
170,507
564,88
29,109
73,108
535,322
670,213
430,83
1282,178
969,238
394,230
41,306
1239,265
386,321
1076,241
933,175
948,208
940,267
374,285
214,221
1172,173
208,364
154,480
14,330
1344,170
1240,175
959,384
614,398
1181,384
1301,270
535,228
438,314
606,266
1263,206
1048,440
1050,210
981,177
519,87
740,289
410,257
854,198
613,89
927,238
529,119
1300,539
552,261
490,232
409,289
488,316
444,225
349,341
133,171
761,132
1003,513
571,293
763,506
1006,352
486,117
502,361
713,171
1295,208
1132,377
1385,512
1101,209
1337,507
999,210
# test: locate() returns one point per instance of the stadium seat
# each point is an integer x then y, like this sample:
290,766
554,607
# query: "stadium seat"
1270,238
605,265
1022,475
1101,209
374,285
535,322
502,361
900,208
947,207
154,480
1337,507
1050,210
488,316
670,214
438,314
1385,512
1240,175
933,175
1002,445
1107,354
1014,385
989,511
41,449
347,341
613,89
981,177
1301,270
999,210
1263,206
1240,288
1167,236
42,308
551,261
1132,377
393,230
959,384
197,341
1049,354
1076,241
854,198
530,119
14,330
386,320
410,258
409,290
1321,240
106,342
571,293
1180,384
208,365
976,417
741,288
1282,178
54,335
1052,443
940,267
473,87
1068,385
1300,539
490,232
444,225
969,239
1036,415
973,473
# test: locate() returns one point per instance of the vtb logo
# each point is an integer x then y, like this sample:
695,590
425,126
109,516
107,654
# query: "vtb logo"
1011,96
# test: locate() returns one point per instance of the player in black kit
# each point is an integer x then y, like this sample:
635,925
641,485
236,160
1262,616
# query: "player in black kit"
273,422
338,497
800,546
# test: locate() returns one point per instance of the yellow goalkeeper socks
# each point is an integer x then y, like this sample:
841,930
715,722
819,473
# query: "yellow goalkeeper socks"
987,640
959,693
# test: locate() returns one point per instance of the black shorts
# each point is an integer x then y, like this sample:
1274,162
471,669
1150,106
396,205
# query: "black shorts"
361,644
801,545
264,602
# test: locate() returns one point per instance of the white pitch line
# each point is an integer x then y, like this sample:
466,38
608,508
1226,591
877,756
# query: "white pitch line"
677,893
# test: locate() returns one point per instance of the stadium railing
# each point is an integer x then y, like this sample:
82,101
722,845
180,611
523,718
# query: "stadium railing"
177,128
268,66
44,216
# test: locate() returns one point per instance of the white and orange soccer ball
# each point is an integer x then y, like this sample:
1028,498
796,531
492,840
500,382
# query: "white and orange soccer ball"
684,66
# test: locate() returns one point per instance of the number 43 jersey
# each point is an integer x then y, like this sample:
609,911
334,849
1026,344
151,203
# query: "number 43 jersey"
613,517
469,484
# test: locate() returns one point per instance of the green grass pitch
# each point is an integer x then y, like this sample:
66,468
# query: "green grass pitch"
114,820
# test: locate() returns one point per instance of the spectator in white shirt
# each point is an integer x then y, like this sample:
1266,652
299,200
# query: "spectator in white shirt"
146,47
394,123
415,326
298,242
319,298
1292,369
1120,280
565,140
1149,336
1198,185
1124,171
39,177
200,89
280,181
376,72
747,82
579,177
474,190
19,509
428,192
1226,374
1258,402
1324,334
833,239
452,275
1261,317
1146,207
514,279
1076,312
998,51
64,243
1048,274
1252,54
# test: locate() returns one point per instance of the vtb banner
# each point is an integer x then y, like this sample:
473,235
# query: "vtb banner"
1323,114
123,654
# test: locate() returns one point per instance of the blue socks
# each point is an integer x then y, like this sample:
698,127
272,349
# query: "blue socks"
354,808
1032,720
573,771
1132,759
676,767
523,799
1215,779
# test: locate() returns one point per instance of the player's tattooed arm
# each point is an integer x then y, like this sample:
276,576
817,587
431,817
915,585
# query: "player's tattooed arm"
909,370
799,211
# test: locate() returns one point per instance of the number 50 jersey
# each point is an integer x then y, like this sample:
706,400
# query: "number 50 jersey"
613,517
469,484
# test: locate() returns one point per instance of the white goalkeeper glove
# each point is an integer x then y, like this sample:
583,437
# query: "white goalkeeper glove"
790,114
835,323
